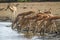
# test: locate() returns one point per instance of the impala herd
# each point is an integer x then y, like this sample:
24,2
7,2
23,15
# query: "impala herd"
41,22
38,23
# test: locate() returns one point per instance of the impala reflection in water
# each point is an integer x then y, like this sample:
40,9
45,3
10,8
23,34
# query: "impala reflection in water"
6,33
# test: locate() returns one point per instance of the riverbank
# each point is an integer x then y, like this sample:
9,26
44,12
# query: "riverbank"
34,6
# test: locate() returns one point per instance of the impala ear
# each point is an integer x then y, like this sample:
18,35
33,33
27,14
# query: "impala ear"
39,11
17,5
49,9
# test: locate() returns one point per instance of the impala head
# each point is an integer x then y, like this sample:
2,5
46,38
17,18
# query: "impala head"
48,11
11,7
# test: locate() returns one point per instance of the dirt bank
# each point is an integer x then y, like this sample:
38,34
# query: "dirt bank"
55,8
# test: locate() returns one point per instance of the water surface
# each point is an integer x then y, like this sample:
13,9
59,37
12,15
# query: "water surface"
6,33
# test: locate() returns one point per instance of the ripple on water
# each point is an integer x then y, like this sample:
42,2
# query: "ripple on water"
6,33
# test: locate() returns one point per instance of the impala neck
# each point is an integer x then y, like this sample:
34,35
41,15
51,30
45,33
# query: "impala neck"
55,17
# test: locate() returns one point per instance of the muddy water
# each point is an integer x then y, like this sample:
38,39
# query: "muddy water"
6,33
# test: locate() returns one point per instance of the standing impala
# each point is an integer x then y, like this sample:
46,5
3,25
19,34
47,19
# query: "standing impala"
13,9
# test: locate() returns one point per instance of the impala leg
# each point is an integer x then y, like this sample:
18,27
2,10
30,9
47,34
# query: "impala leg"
54,27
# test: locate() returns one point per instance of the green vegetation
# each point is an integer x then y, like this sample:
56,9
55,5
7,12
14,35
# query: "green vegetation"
24,0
